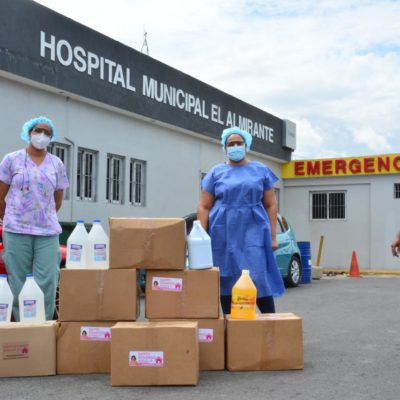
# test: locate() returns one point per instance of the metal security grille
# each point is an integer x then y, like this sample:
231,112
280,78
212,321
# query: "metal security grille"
62,152
115,174
86,173
397,190
328,205
137,182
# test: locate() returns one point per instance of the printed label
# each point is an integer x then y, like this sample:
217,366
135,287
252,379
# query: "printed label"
3,311
75,253
206,335
96,334
15,350
100,252
146,359
167,284
243,302
30,308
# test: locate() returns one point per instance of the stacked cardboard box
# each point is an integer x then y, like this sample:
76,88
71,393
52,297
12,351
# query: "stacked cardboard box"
91,302
146,353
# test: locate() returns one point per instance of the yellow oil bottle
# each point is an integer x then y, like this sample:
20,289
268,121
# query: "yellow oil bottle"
244,296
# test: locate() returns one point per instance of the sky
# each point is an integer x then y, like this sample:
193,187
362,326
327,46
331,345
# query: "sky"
330,66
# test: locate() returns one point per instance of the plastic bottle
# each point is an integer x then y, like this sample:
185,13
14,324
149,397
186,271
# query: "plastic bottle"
6,300
97,247
76,246
31,302
199,248
244,296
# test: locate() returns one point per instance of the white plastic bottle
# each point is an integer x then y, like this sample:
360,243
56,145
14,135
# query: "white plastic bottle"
76,246
199,248
6,300
31,302
97,247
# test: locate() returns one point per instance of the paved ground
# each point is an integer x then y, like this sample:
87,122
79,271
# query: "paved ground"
351,344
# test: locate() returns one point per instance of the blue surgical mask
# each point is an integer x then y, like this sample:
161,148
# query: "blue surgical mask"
236,153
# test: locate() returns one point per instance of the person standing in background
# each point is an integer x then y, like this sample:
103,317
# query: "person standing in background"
32,183
238,208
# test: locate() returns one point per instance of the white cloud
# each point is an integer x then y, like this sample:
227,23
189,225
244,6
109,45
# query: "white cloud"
331,65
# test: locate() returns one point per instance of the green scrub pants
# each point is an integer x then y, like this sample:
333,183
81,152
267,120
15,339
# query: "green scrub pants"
37,255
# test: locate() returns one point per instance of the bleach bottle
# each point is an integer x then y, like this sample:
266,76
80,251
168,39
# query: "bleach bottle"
244,297
6,300
76,246
31,302
97,247
199,247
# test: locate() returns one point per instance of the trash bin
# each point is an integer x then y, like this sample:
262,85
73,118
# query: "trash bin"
305,251
67,228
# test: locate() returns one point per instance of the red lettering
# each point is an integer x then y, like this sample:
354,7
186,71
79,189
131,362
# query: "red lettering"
384,164
327,167
355,166
396,163
369,167
299,168
313,169
340,166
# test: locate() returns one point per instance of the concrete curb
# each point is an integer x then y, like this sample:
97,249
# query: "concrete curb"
336,271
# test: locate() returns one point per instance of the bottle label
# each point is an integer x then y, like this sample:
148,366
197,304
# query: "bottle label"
15,350
96,334
241,302
206,335
100,252
75,253
167,284
30,308
3,312
146,359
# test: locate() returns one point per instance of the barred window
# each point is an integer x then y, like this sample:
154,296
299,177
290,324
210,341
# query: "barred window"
137,182
115,182
62,151
86,175
396,190
328,205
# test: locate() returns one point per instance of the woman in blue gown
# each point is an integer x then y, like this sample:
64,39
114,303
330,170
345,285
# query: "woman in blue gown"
238,208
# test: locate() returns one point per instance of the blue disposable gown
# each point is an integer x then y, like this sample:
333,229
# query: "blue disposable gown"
239,226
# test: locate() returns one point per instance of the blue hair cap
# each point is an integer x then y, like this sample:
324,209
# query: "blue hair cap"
29,125
248,139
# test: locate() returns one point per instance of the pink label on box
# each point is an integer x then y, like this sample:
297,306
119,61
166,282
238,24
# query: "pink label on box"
167,284
206,335
146,359
97,334
12,351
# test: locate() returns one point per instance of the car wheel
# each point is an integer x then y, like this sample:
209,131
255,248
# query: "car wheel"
294,272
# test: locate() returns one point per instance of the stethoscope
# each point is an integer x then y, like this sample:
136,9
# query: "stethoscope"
26,188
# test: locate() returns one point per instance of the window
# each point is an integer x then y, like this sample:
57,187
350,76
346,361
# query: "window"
86,175
328,205
137,182
62,152
396,190
115,182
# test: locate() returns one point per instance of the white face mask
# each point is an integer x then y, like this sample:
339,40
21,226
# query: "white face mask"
40,141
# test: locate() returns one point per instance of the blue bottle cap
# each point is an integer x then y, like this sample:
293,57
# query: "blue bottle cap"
80,221
3,275
96,220
29,275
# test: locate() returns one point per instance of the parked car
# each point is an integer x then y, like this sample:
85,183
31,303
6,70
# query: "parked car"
287,255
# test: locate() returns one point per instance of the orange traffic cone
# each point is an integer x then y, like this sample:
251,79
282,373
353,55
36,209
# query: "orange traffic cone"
354,271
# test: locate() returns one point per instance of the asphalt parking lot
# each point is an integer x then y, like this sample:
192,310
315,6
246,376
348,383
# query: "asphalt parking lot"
351,348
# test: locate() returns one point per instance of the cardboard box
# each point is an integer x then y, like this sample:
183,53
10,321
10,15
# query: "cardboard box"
84,347
28,349
182,294
148,243
98,295
269,342
154,353
211,337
